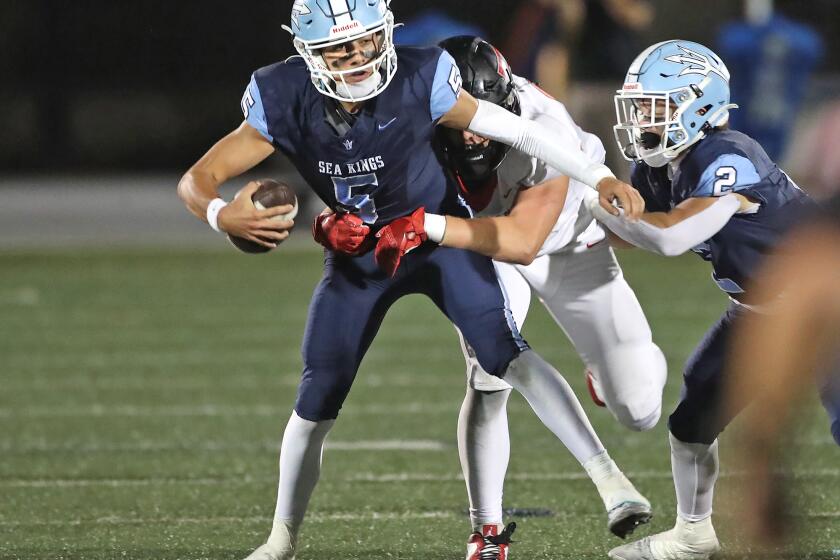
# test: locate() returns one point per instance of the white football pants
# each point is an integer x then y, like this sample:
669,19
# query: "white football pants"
585,292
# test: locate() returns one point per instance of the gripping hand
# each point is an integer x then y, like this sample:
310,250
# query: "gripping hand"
398,238
340,232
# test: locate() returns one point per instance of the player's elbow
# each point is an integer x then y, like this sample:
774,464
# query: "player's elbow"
529,255
526,251
188,193
524,259
520,254
183,188
672,249
668,245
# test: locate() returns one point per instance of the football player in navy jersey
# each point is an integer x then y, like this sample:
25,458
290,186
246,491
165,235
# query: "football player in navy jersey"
356,117
716,192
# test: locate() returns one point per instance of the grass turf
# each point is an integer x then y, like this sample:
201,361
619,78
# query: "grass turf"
144,395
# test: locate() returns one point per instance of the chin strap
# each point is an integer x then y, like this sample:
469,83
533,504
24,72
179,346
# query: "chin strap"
360,89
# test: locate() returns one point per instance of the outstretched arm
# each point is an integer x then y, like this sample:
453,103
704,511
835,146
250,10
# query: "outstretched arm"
536,140
673,233
517,237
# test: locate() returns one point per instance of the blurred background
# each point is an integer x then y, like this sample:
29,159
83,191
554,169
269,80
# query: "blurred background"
107,103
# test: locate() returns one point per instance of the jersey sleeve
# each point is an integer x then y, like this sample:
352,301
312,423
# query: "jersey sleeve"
253,110
728,173
541,171
446,86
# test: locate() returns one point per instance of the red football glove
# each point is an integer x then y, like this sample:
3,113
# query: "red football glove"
340,232
398,238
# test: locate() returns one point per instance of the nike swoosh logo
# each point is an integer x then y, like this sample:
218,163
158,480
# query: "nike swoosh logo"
387,124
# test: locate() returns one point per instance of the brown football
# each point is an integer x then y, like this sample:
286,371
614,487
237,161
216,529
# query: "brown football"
270,193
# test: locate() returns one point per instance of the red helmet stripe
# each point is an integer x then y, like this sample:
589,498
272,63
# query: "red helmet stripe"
501,63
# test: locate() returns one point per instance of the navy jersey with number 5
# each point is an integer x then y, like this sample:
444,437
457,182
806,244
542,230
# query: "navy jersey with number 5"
384,166
723,162
380,164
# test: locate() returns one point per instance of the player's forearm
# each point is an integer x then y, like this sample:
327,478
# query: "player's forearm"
500,238
196,189
660,233
536,140
231,156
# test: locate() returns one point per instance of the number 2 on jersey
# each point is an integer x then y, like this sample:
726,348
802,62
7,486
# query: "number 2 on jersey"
354,194
727,177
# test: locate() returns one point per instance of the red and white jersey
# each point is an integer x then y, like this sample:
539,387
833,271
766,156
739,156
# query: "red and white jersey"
520,171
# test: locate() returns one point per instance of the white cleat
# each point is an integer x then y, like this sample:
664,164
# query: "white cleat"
626,507
264,552
280,545
686,541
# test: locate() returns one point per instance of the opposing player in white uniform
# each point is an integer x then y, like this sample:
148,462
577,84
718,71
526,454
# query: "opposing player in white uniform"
531,219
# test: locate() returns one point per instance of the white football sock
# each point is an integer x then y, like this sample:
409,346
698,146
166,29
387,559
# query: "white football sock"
554,402
300,466
484,449
695,470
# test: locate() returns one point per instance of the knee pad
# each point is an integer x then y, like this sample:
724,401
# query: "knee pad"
692,428
639,423
320,396
633,381
481,406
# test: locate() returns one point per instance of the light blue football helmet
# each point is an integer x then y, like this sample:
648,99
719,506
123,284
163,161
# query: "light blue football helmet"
317,24
674,93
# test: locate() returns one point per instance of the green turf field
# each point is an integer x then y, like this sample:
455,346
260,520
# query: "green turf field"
144,394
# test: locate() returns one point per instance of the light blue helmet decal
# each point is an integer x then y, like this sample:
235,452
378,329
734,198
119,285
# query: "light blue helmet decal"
674,93
320,24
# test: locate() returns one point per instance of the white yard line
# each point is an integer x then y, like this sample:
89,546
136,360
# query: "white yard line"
310,518
212,410
363,445
235,380
358,477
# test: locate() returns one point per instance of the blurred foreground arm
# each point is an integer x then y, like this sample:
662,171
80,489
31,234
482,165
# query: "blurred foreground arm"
778,356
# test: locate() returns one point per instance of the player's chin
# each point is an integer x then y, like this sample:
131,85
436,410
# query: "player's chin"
356,77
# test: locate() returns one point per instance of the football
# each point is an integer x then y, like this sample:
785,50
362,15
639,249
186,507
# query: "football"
270,193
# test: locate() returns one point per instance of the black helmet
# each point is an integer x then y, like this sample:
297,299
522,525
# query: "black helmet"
486,76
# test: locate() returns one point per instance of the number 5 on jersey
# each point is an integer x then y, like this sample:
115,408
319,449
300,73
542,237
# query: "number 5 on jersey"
353,193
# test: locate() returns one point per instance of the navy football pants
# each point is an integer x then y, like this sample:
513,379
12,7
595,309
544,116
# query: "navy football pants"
351,300
699,416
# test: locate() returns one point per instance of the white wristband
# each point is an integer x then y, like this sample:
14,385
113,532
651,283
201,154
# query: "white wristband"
213,210
435,226
595,173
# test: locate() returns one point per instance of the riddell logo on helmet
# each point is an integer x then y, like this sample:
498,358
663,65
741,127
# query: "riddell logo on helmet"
343,29
633,86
